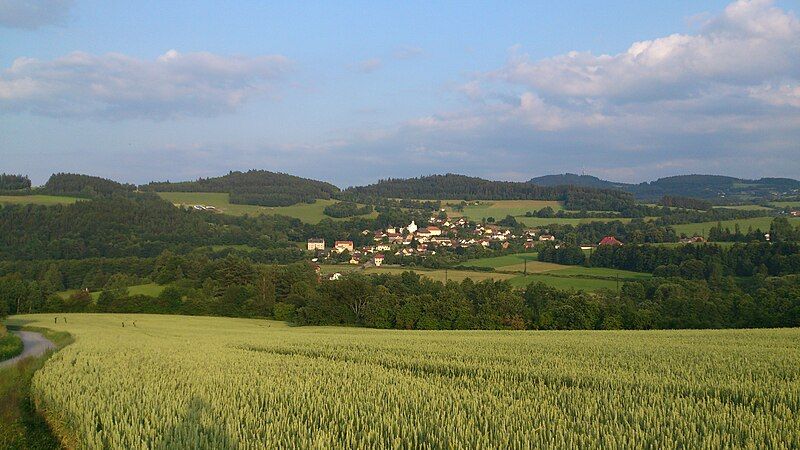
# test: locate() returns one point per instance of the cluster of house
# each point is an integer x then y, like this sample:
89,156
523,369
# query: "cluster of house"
794,213
204,207
423,241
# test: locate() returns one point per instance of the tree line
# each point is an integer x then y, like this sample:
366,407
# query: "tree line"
236,287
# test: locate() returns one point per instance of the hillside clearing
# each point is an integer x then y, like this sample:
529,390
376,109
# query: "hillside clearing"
306,212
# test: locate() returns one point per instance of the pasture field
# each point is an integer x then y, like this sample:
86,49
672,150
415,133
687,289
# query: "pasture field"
199,382
601,272
306,212
500,208
150,289
582,284
745,207
701,229
505,261
46,200
789,204
441,274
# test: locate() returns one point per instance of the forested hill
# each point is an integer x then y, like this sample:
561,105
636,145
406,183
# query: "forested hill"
717,188
461,187
255,187
83,185
576,180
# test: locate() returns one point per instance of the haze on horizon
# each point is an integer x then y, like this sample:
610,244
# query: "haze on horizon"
356,91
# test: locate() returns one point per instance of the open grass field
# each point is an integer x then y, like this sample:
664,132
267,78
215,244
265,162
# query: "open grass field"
442,275
746,207
582,284
307,212
151,290
199,382
786,204
46,200
701,229
601,272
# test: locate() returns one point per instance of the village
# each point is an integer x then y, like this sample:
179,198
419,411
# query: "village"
412,240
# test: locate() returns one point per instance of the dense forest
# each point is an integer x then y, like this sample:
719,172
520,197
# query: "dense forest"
347,209
705,261
140,225
83,186
255,187
460,187
9,182
685,202
716,188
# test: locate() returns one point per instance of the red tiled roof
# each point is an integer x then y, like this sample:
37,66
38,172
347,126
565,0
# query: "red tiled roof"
610,240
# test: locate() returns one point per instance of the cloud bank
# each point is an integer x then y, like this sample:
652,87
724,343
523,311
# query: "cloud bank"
117,86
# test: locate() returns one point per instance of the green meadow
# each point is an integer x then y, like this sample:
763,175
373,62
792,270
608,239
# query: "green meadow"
306,212
46,200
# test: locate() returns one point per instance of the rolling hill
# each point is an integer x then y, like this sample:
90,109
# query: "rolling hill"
717,188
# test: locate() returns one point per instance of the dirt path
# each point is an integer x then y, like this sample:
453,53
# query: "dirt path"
34,345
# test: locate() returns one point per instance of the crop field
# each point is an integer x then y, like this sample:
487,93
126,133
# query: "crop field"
46,200
306,212
701,229
788,204
195,382
563,282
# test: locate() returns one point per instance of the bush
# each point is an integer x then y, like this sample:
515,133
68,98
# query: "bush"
284,311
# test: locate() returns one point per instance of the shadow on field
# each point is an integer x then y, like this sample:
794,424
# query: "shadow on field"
197,429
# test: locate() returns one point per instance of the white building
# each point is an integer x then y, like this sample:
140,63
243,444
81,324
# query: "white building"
412,227
316,244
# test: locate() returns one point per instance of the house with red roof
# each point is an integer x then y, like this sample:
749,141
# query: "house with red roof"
610,240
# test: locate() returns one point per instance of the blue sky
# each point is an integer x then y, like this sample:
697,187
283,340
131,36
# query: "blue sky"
350,92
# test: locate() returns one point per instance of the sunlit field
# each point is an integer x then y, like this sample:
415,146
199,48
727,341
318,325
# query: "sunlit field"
192,382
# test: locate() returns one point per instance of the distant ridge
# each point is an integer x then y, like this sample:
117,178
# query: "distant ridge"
718,188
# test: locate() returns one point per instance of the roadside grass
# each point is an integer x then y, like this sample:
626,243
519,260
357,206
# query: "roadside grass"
21,424
46,200
10,346
701,229
150,290
306,212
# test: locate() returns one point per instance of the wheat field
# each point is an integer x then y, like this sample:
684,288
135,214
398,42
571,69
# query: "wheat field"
192,382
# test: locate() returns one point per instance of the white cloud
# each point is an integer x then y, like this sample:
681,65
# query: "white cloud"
119,86
32,14
749,42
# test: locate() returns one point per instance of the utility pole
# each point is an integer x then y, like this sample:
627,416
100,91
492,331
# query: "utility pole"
445,275
525,272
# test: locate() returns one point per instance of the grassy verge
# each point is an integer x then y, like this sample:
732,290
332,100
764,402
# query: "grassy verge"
21,424
10,346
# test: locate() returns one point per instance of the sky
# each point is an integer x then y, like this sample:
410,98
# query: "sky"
353,92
